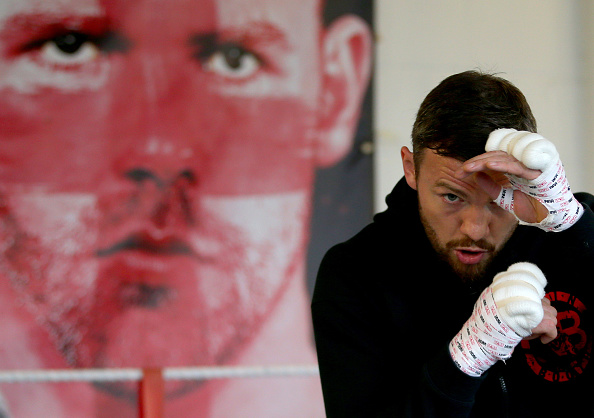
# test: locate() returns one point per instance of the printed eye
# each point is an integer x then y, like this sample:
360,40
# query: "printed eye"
67,59
233,61
70,48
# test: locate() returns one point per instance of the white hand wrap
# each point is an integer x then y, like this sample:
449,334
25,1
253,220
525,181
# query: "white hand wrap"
551,188
504,313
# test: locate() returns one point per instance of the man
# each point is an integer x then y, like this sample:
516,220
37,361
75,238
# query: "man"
156,169
412,315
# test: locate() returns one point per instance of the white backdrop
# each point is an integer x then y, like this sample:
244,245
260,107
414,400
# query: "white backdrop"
543,46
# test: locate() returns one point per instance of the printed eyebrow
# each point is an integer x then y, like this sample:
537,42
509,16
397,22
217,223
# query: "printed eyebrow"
253,35
28,31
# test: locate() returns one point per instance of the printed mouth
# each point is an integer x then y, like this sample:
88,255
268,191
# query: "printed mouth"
145,243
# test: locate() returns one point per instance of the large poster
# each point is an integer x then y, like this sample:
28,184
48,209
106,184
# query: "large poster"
162,163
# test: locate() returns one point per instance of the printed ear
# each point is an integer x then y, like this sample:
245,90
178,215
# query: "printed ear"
346,66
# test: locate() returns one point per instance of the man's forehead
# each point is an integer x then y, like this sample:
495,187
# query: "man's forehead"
432,160
438,172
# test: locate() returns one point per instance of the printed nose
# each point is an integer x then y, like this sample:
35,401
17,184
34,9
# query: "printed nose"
158,118
166,200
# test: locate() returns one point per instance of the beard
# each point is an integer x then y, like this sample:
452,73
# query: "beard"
469,273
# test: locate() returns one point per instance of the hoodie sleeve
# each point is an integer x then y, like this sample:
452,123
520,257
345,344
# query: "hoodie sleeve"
363,372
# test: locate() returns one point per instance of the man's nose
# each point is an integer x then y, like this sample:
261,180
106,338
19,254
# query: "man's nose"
475,222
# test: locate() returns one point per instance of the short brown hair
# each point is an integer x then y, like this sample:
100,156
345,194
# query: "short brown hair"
456,117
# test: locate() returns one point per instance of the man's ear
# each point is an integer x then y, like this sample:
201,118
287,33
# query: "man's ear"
346,66
408,164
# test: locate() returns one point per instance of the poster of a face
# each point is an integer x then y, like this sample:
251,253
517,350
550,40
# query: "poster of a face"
158,167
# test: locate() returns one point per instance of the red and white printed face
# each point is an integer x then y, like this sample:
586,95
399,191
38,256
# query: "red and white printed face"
156,163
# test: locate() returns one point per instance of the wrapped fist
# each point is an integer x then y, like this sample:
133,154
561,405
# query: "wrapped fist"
507,311
551,188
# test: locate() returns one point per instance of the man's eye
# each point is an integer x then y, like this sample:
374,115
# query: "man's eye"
233,61
69,48
451,198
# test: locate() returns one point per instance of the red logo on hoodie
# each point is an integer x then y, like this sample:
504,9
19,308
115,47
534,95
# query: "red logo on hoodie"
569,354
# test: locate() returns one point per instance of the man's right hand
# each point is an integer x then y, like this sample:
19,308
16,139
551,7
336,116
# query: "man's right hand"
547,329
513,307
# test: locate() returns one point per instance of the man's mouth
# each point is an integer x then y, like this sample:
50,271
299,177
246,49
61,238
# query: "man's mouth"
470,255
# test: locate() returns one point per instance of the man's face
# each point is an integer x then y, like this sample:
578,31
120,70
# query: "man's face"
463,224
156,162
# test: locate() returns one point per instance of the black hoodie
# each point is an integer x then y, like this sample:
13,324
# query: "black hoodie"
385,308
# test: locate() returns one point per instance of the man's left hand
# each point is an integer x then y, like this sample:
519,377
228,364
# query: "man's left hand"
522,173
490,169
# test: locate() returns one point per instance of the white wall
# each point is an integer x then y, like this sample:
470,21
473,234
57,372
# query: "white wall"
539,45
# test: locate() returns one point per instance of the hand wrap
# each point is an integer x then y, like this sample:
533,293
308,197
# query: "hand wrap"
504,313
551,188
